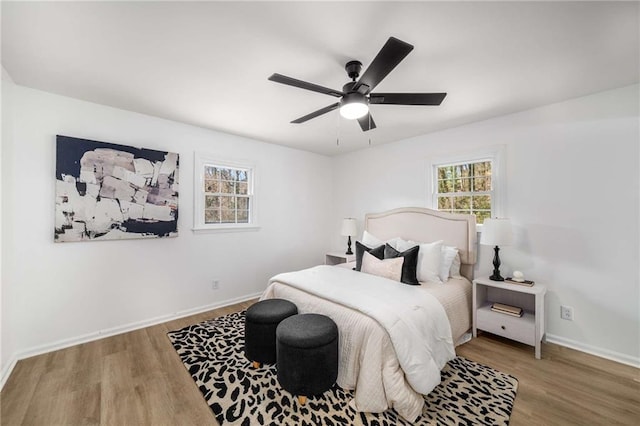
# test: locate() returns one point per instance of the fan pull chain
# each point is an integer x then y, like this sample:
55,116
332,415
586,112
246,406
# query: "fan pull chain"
369,128
338,129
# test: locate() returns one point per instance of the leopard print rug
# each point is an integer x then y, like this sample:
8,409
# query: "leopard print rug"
212,352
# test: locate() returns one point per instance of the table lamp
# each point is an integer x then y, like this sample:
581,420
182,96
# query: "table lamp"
496,232
349,229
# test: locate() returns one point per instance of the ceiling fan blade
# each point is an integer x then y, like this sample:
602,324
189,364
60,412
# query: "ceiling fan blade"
391,54
407,98
279,78
367,123
316,113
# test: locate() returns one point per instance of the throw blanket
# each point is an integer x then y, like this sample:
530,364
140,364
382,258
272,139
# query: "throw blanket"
415,321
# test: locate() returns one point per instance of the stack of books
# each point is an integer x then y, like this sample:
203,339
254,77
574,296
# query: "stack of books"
507,309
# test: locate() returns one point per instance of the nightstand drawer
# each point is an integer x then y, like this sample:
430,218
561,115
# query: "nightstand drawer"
521,329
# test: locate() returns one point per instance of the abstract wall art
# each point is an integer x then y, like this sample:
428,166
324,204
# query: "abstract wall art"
106,191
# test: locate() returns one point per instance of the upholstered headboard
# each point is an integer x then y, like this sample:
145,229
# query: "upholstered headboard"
426,225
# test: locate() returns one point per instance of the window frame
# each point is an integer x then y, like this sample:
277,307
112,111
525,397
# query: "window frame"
201,160
494,154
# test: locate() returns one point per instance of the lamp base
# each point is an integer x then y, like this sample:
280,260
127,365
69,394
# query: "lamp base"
349,246
496,266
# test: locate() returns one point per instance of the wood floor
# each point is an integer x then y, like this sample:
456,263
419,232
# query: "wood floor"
137,379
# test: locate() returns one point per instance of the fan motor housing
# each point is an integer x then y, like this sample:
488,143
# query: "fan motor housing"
353,97
348,88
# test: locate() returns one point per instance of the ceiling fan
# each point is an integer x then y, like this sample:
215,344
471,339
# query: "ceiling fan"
356,95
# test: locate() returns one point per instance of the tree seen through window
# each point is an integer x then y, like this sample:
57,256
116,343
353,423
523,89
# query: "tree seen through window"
227,195
465,188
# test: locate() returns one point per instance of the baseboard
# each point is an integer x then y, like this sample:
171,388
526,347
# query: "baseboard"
6,372
101,334
593,350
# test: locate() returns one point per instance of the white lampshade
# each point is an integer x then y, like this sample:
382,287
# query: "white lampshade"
496,232
349,228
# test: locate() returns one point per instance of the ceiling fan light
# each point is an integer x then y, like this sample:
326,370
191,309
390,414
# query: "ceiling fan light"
354,110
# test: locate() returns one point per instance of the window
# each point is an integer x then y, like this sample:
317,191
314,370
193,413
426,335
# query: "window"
224,196
468,185
465,188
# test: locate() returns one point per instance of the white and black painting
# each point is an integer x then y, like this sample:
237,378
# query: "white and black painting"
106,191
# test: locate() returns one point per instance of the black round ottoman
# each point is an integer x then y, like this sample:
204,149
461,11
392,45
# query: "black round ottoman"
307,348
260,325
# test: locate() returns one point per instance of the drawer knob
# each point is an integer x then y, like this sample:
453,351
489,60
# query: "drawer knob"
503,327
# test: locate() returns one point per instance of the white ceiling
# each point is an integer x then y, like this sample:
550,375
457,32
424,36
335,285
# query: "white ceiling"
207,63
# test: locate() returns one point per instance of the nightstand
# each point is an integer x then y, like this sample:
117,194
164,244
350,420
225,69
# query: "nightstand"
336,258
528,329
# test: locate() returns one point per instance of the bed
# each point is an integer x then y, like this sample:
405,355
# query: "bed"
375,359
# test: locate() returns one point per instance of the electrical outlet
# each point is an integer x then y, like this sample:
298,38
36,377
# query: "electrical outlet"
215,285
566,313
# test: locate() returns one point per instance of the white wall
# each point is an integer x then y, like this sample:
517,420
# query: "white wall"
572,192
60,292
6,87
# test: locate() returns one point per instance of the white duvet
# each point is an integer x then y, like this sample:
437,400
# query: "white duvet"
394,338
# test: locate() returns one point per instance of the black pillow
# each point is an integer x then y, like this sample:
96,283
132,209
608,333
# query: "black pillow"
410,263
361,248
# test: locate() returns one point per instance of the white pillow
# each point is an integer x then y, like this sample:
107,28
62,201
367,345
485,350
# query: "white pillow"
429,259
455,267
387,268
404,245
448,255
372,241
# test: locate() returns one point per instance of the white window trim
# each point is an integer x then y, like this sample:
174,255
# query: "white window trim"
200,161
498,172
